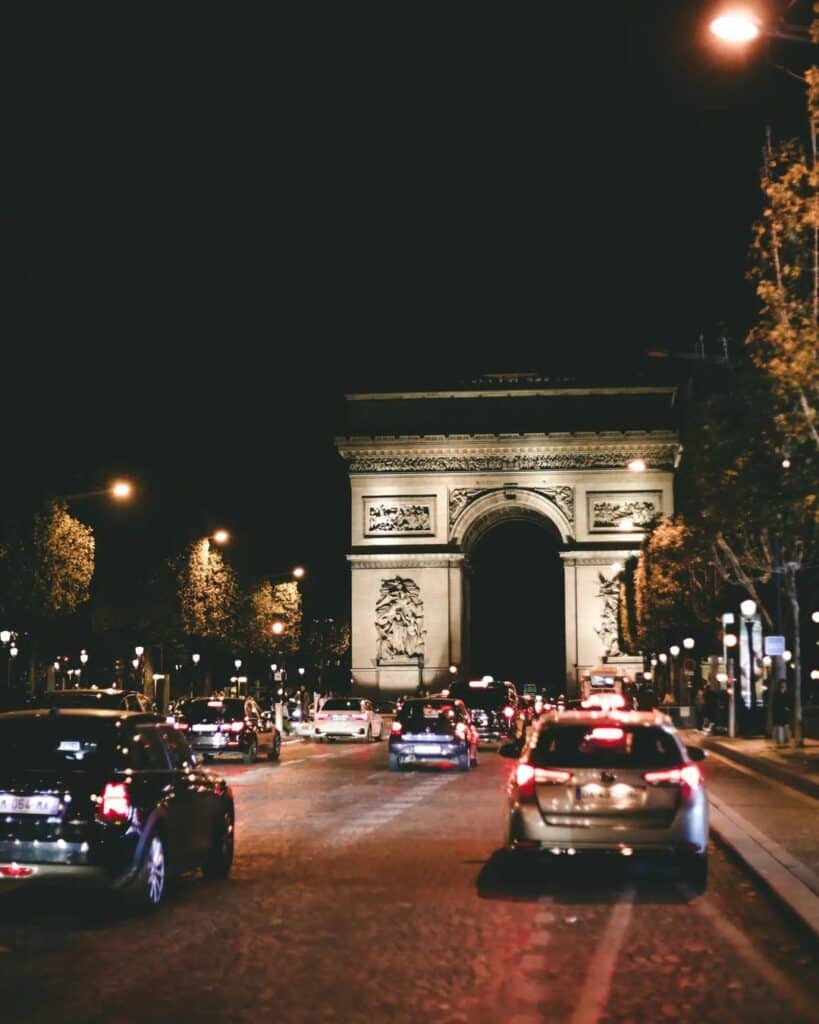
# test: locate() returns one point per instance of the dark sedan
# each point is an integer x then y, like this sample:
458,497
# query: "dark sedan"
107,798
216,726
433,731
109,697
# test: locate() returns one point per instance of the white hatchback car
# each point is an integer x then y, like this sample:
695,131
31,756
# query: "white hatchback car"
348,718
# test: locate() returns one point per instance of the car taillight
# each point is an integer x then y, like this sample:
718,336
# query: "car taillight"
527,777
115,805
322,716
687,776
397,729
181,725
236,726
509,712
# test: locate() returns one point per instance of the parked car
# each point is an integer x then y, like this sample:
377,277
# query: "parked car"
347,717
92,697
107,798
433,730
609,781
493,706
219,726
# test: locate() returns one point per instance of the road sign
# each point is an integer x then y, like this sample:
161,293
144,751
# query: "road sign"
775,645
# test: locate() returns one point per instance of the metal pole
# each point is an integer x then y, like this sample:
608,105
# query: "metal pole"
732,711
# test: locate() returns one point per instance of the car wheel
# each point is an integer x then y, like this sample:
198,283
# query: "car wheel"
464,762
380,735
392,762
145,892
694,871
276,749
474,759
250,756
220,855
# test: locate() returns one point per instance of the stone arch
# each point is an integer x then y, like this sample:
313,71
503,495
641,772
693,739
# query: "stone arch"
505,505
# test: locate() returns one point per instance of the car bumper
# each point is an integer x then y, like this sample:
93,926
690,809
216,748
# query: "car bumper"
687,831
217,743
421,753
93,864
341,730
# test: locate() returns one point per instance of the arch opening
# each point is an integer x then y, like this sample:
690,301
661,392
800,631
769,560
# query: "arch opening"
517,609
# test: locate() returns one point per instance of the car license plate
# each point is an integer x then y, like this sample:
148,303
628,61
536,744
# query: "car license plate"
11,804
427,748
204,728
340,718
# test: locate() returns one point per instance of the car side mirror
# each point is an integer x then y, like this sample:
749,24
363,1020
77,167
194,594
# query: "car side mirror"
696,753
510,749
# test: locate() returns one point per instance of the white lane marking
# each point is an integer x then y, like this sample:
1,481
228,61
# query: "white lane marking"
800,1002
595,990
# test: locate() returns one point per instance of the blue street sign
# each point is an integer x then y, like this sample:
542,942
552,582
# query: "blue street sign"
775,645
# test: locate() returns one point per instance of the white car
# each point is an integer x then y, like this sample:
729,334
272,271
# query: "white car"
349,718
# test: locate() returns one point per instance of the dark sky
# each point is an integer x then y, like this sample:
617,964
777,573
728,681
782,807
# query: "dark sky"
218,217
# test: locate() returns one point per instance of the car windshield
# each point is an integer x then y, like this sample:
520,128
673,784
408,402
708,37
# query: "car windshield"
55,743
82,699
215,710
607,745
489,697
419,716
341,704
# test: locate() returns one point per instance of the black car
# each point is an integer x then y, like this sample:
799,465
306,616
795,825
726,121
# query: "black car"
93,697
107,798
433,730
216,726
494,708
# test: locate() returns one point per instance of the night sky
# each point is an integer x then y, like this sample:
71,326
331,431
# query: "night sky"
217,218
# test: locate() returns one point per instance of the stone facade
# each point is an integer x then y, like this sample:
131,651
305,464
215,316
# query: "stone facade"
420,504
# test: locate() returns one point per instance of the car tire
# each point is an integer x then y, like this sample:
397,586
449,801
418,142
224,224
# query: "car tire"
380,735
249,757
694,871
464,762
392,763
474,760
220,856
276,749
144,893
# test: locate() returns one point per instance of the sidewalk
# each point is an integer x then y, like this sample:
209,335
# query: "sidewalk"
765,806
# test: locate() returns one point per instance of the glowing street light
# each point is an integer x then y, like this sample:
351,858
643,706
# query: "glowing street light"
237,662
277,628
139,650
736,27
5,635
84,657
221,536
195,658
298,572
730,640
688,643
122,490
674,650
814,617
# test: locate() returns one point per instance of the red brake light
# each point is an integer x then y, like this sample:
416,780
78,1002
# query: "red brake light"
509,712
116,803
180,725
237,726
397,729
606,734
687,776
15,871
527,776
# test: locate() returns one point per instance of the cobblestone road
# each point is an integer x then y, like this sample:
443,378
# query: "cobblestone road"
360,895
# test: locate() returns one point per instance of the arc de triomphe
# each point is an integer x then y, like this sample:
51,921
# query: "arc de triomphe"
421,501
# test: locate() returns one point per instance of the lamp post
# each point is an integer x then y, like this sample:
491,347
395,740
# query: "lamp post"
13,652
748,610
730,641
674,651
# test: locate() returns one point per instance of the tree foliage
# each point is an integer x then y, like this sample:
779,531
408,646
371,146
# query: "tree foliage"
266,605
327,641
208,593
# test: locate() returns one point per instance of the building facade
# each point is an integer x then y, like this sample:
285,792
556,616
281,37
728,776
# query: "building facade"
433,472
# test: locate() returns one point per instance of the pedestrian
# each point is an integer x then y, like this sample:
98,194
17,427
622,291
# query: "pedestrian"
699,708
781,713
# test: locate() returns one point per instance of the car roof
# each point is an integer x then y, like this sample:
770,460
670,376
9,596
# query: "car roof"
598,717
102,714
83,691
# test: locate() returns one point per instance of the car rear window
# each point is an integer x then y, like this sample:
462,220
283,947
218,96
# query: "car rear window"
57,743
421,716
490,697
608,745
214,710
341,704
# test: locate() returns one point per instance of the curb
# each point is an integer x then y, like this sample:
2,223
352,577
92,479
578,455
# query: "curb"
763,766
790,881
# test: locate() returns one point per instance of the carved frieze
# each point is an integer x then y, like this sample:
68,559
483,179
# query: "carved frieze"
602,458
608,593
632,511
460,498
399,621
412,516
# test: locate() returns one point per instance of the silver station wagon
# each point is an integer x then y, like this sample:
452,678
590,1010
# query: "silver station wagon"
617,781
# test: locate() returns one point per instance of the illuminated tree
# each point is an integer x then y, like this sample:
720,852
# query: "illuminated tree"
208,593
266,606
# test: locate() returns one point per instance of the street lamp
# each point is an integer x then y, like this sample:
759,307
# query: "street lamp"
139,650
122,490
13,652
748,610
195,658
84,657
221,536
738,27
237,663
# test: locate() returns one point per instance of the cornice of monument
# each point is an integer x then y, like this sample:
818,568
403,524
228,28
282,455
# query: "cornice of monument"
520,452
